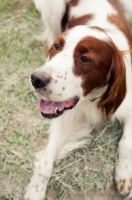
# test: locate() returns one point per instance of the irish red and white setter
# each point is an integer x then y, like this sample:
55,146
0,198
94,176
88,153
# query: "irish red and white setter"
86,79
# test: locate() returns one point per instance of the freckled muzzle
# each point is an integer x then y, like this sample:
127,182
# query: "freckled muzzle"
50,109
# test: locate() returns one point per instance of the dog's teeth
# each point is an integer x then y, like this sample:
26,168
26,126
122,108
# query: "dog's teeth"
55,110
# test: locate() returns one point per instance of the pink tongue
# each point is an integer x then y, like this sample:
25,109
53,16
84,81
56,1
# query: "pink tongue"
48,107
69,103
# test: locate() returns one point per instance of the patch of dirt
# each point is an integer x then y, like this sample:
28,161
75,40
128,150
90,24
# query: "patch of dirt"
9,187
109,194
21,6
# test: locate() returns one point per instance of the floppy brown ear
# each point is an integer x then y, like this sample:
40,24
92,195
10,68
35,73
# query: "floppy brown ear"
116,79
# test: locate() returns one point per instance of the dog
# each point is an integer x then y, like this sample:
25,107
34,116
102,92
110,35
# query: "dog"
87,79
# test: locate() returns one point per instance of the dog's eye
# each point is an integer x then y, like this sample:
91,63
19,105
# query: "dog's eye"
56,46
85,59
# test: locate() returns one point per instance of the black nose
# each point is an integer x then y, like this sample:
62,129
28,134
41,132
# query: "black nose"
38,80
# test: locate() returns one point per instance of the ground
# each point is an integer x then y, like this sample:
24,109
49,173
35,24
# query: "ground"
86,172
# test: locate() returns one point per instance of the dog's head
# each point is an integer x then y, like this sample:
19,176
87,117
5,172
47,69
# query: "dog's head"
79,61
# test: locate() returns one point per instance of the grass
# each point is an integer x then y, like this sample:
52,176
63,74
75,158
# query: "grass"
91,167
23,131
20,120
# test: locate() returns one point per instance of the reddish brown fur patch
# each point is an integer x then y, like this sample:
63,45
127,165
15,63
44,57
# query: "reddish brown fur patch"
73,2
94,74
75,21
51,52
107,67
116,90
122,185
120,21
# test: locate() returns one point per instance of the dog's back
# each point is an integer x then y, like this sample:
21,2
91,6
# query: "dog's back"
57,16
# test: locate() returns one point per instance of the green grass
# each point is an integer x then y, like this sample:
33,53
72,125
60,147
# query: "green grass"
131,25
22,129
6,5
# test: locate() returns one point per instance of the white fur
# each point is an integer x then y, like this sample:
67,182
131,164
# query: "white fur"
51,14
70,130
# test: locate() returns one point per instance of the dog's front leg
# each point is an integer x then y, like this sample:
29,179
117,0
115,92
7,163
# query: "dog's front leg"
124,164
44,162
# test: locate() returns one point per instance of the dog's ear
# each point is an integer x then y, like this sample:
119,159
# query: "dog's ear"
116,79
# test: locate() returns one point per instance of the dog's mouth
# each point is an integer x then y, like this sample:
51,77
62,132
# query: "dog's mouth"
50,109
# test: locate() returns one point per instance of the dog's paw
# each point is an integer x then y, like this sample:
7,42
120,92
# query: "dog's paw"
36,189
31,195
124,179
